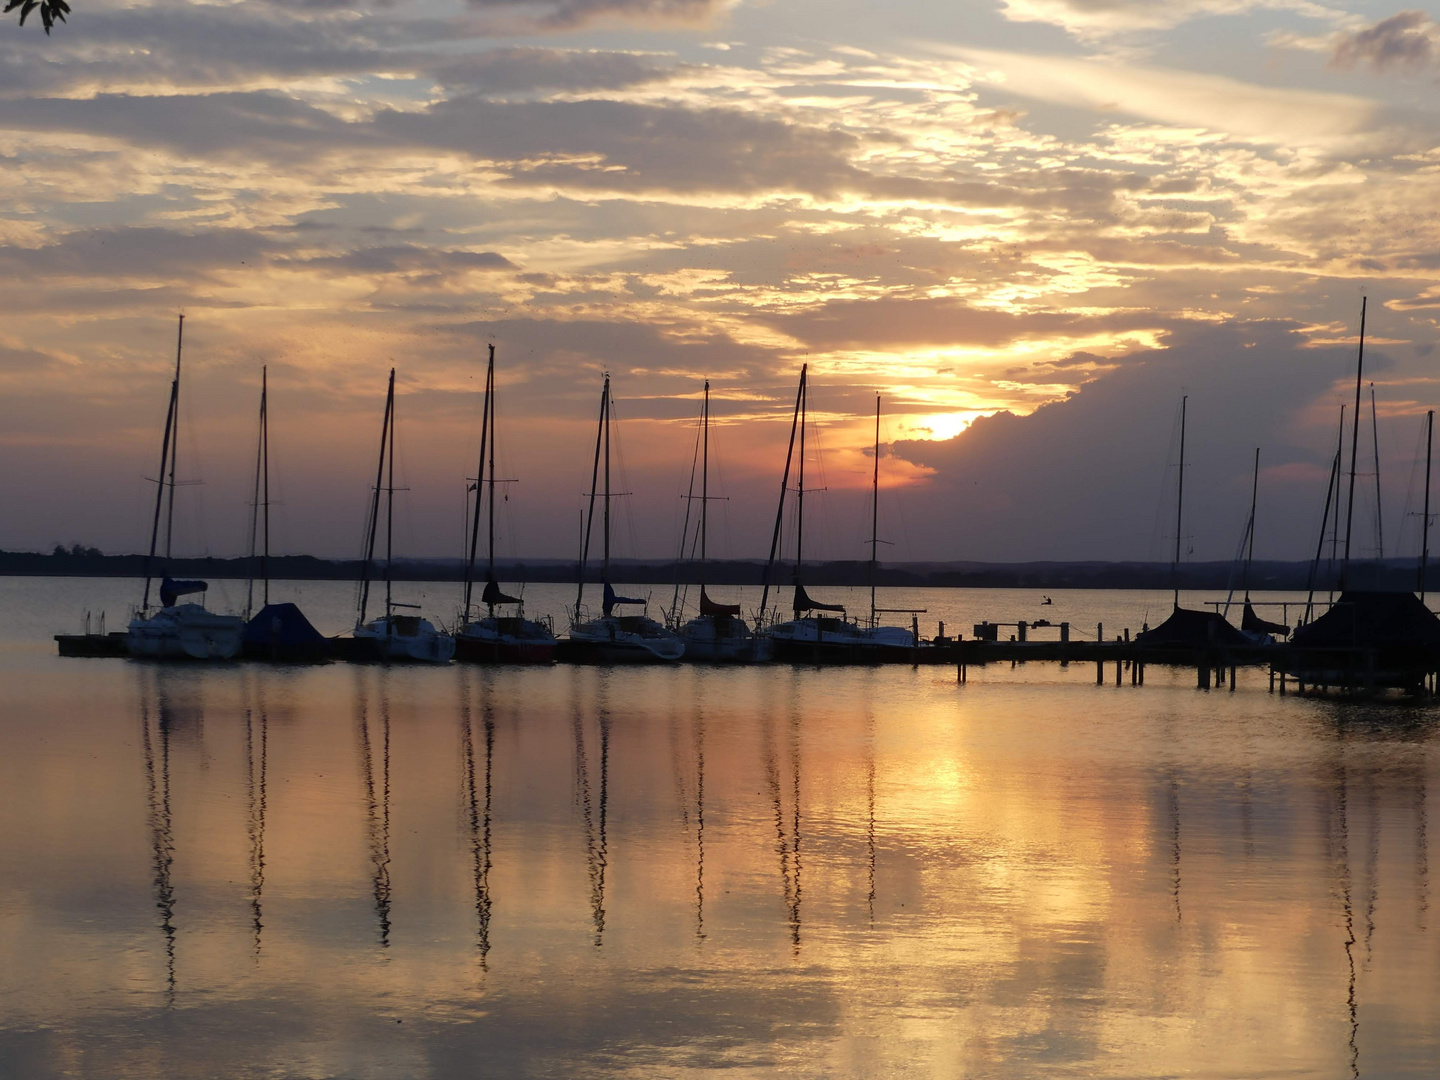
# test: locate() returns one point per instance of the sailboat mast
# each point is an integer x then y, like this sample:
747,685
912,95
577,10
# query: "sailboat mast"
1425,518
1375,434
255,503
479,484
170,415
265,481
605,411
800,490
875,511
1179,503
784,488
590,515
1336,477
374,528
1254,493
390,513
490,540
174,440
1354,446
704,479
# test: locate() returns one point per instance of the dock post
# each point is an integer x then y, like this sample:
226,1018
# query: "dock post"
1142,671
1282,682
1064,633
1232,677
915,641
1100,631
1127,635
1100,672
1119,668
1202,676
1020,628
1134,672
1272,678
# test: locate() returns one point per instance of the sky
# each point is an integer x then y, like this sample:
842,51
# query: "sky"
1030,226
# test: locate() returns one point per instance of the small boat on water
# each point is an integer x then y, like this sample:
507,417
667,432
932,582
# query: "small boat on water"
717,634
278,632
815,638
495,639
177,631
392,638
612,638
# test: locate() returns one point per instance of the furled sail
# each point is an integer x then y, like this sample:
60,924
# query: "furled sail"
804,603
1253,624
709,607
611,599
492,595
171,590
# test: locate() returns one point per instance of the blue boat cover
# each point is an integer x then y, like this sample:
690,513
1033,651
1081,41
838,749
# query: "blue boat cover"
611,599
283,626
171,590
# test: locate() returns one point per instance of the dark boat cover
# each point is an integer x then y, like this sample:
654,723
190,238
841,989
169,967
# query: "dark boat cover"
719,611
1396,620
1194,630
282,628
492,595
171,590
1253,624
804,603
611,599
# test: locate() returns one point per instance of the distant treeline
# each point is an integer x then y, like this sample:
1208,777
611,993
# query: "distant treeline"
1392,574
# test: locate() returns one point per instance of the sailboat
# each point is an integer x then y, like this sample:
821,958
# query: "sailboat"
717,633
1260,631
810,637
612,638
177,631
393,637
277,631
1187,628
495,639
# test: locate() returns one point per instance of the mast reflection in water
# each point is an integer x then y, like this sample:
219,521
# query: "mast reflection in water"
783,871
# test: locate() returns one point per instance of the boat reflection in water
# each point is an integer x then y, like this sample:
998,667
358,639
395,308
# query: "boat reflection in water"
843,872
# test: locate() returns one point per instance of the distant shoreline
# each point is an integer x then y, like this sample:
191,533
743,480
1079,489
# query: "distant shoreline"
1398,574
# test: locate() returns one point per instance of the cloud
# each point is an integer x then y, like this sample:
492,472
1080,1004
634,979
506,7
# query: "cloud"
570,14
1409,39
1088,19
1086,477
1249,110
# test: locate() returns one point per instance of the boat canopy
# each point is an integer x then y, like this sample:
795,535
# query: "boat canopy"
611,599
283,626
171,590
492,595
1253,624
1373,620
719,611
1186,628
804,603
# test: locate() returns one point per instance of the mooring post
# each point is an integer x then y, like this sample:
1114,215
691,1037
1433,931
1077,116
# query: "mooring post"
1272,678
1020,629
1099,672
1232,676
1202,676
1127,635
1119,668
1282,682
1100,631
1142,671
1134,672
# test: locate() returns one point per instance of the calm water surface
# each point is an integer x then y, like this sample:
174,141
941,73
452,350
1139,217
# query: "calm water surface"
241,871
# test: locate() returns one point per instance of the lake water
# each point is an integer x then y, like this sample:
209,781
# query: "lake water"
245,871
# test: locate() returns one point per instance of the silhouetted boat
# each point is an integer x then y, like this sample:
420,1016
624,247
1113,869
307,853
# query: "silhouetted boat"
392,638
278,632
495,639
177,631
808,637
717,633
612,639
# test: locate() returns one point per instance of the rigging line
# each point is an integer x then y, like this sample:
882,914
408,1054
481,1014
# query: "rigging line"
675,610
1379,516
1354,444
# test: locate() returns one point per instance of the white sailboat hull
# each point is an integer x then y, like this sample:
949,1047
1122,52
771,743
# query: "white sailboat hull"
624,640
402,639
723,640
185,632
